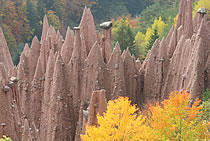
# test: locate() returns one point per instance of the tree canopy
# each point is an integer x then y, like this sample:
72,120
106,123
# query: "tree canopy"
173,119
123,32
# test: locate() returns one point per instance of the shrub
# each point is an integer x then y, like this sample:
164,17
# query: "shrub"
206,95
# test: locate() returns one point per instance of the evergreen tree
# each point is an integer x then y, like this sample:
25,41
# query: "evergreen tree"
58,6
153,38
41,8
167,9
123,33
106,9
25,32
33,17
135,7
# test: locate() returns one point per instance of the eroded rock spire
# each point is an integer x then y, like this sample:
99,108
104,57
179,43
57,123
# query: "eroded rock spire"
57,79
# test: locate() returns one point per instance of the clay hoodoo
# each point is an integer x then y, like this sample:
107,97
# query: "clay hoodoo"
59,120
68,46
7,106
132,78
184,65
37,96
45,28
57,80
46,95
98,104
87,28
116,74
5,56
106,42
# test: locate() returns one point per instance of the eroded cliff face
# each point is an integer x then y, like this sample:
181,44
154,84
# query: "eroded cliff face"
61,84
58,79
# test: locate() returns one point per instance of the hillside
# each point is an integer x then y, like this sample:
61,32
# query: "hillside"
22,19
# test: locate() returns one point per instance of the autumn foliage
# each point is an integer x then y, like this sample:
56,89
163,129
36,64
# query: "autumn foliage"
5,138
202,4
120,122
170,120
175,120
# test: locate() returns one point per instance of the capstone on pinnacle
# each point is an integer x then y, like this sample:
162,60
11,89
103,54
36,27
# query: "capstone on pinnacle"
6,88
106,25
14,79
202,10
76,28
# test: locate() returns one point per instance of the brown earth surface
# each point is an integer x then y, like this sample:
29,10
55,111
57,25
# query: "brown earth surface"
58,81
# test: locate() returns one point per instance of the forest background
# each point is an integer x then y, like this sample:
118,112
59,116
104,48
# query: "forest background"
136,23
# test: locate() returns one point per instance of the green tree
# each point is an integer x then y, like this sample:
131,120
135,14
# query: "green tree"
105,10
156,32
139,40
167,9
206,95
41,8
145,42
153,37
33,17
58,6
135,7
27,31
123,32
53,19
205,112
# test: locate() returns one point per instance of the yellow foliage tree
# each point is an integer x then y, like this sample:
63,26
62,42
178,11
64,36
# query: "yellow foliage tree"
148,35
159,23
202,4
140,37
120,123
172,120
116,25
139,40
143,40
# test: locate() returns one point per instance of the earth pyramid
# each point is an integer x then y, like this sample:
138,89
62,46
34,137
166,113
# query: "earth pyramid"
61,84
